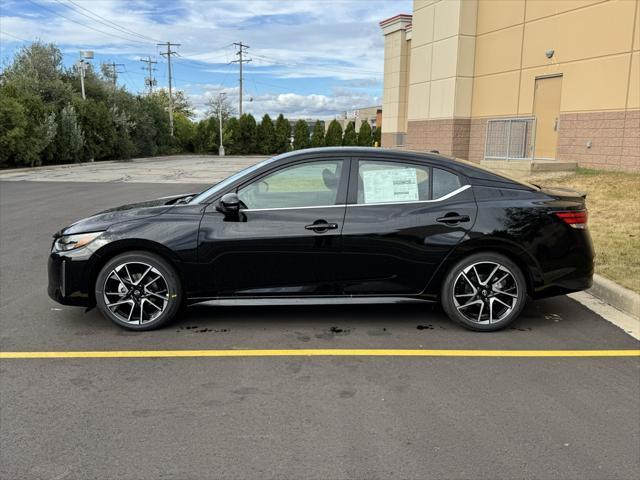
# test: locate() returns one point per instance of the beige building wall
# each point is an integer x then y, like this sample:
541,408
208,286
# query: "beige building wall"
479,60
396,69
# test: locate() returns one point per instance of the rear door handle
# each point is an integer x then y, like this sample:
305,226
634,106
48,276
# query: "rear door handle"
451,218
321,226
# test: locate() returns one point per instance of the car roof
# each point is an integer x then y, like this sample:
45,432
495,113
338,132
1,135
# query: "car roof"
466,168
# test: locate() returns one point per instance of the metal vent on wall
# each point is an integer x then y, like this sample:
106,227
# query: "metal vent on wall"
510,139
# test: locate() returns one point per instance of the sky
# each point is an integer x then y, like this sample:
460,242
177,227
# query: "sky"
309,58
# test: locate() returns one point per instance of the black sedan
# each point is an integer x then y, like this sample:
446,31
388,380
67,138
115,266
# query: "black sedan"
332,222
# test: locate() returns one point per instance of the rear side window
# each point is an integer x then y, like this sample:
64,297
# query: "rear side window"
390,182
444,183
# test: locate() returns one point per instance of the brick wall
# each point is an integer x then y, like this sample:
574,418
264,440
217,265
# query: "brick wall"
448,136
477,138
614,137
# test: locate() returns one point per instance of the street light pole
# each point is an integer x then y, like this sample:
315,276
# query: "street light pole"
84,55
220,96
81,64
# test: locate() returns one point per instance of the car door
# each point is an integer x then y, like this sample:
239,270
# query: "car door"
402,219
286,241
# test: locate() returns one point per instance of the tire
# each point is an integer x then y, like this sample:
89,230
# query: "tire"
138,291
475,300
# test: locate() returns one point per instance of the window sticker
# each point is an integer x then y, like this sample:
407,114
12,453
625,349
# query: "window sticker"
391,185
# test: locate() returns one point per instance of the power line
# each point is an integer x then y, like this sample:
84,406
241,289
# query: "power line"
13,36
122,30
242,50
86,26
115,25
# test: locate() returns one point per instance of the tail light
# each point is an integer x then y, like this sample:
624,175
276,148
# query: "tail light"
574,218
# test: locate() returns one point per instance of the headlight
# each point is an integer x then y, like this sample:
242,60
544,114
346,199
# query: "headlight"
70,242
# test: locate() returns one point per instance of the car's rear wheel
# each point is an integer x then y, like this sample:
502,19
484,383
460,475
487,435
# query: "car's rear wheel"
138,291
484,292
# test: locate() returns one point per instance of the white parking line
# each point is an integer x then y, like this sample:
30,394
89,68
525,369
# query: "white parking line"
620,319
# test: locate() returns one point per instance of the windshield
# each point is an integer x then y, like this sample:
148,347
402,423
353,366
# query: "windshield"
220,186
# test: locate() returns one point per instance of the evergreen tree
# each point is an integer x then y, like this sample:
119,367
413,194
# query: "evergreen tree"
69,137
230,138
377,134
301,135
333,138
364,135
317,137
350,138
206,137
246,144
266,136
283,134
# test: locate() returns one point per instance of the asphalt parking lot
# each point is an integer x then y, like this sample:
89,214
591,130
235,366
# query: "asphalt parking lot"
321,417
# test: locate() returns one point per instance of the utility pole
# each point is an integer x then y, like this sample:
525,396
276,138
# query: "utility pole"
82,65
220,97
168,54
149,81
114,71
242,50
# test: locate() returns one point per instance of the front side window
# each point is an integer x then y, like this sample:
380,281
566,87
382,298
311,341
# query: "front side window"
389,182
312,184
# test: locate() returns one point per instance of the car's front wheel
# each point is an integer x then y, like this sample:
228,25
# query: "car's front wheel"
484,292
138,291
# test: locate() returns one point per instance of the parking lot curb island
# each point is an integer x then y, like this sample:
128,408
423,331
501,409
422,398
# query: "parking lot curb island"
615,295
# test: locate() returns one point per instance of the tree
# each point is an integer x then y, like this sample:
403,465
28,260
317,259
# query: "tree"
37,70
98,128
376,137
13,127
283,135
246,144
333,138
45,120
266,136
184,132
350,138
364,135
230,136
218,104
69,137
181,103
317,137
206,137
301,135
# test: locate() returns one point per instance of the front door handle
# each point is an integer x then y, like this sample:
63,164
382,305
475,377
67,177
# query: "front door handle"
453,218
321,226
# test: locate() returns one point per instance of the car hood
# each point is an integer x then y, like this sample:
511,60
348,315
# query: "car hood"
132,211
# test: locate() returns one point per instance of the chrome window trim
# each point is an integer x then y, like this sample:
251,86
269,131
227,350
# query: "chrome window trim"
444,197
439,199
290,208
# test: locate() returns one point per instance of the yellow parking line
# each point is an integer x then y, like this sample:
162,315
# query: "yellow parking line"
321,353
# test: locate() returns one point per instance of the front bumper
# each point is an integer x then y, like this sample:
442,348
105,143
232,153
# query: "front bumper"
69,280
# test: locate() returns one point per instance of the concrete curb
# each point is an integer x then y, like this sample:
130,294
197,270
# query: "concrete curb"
619,297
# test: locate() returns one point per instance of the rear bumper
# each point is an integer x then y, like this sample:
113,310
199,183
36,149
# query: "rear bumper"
574,272
68,280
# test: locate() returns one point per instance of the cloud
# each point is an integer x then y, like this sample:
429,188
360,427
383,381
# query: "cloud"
294,105
291,41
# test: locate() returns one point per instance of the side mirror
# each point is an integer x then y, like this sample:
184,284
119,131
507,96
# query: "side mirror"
229,204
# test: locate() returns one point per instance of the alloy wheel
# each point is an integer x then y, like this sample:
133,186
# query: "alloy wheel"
136,293
485,292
